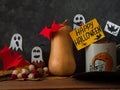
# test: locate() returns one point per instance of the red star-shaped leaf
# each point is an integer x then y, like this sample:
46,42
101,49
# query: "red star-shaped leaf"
55,26
11,60
46,32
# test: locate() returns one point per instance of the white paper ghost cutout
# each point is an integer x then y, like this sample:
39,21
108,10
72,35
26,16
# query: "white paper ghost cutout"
36,54
78,21
16,42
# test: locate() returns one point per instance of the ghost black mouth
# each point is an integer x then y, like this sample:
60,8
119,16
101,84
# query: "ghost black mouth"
36,56
79,23
17,43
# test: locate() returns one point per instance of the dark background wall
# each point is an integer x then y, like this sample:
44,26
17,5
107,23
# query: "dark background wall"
28,17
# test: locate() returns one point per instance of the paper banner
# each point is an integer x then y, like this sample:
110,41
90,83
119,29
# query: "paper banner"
87,34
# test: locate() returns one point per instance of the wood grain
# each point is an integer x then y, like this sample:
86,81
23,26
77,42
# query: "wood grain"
58,83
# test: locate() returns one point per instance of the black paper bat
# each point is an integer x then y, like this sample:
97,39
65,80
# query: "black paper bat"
112,28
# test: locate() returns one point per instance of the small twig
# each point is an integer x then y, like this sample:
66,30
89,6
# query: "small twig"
65,22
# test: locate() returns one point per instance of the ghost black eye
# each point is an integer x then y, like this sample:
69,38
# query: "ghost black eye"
81,18
76,18
18,38
38,50
14,38
34,50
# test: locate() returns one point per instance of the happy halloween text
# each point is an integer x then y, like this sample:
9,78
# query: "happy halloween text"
85,32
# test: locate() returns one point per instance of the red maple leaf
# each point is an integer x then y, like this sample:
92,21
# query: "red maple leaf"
46,32
55,26
11,59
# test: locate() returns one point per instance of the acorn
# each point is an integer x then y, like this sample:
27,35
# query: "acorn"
36,73
25,71
31,76
24,75
41,72
15,72
14,76
19,75
46,71
31,67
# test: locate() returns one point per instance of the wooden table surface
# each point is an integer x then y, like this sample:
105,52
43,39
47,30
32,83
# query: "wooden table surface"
58,83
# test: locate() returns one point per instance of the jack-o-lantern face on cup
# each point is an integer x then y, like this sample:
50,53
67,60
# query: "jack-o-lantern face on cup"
104,59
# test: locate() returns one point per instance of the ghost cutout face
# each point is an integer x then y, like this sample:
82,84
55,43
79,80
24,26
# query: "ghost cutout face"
16,42
78,21
36,54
